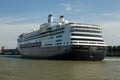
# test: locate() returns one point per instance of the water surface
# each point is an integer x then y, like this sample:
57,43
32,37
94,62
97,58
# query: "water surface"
17,68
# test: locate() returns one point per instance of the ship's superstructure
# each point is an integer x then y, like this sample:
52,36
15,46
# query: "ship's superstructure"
63,40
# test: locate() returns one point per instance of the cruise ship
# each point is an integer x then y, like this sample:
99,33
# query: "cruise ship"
63,40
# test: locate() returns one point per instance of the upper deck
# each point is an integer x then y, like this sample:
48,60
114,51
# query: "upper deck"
64,33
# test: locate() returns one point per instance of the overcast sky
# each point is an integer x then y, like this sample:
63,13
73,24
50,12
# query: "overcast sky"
19,16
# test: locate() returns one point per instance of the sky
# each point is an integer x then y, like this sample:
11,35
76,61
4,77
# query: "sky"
21,16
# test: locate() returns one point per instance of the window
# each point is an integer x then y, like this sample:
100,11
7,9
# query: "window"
58,36
58,43
87,39
90,31
28,45
45,34
48,44
86,27
59,40
51,37
89,35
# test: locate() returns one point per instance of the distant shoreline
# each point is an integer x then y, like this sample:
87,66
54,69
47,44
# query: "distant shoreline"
113,53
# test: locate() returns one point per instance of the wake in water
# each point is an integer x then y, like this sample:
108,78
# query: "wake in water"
112,59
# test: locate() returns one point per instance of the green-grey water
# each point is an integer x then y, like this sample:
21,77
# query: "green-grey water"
17,68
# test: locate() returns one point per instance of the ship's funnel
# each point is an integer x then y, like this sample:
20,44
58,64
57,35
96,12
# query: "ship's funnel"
62,19
50,18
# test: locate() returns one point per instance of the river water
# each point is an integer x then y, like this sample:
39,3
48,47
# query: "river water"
17,68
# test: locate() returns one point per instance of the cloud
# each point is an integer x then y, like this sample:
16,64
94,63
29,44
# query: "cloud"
10,32
19,20
7,20
118,35
111,32
68,7
112,14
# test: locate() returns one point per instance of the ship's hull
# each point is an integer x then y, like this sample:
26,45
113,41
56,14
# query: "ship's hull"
80,52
